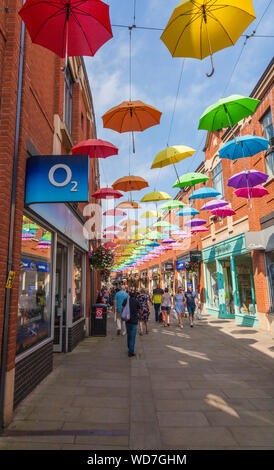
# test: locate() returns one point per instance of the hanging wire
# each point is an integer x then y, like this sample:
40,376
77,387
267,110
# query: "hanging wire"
175,102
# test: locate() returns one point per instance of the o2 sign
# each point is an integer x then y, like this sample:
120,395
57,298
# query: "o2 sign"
57,178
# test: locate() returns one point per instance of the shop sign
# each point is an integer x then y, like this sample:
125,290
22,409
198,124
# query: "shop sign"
99,313
168,267
57,178
30,265
180,265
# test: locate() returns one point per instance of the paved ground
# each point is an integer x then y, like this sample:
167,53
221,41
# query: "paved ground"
210,387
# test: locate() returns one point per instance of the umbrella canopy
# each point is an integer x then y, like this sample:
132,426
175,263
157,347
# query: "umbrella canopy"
151,215
115,212
130,183
95,148
226,112
214,204
201,27
128,205
142,230
170,155
78,28
187,211
204,193
247,179
256,191
172,227
223,212
169,241
170,205
155,196
111,236
162,223
244,146
106,193
129,222
109,245
195,222
131,116
155,235
199,229
189,179
112,228
178,233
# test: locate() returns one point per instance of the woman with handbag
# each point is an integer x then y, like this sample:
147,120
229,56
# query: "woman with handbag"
179,301
131,313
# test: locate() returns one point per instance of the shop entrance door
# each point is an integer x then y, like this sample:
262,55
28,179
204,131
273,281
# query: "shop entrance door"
228,288
60,317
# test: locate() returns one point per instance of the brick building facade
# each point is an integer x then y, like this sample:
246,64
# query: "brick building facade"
235,258
44,110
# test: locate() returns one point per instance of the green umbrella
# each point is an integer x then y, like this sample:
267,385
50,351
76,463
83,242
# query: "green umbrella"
162,223
189,179
226,112
170,205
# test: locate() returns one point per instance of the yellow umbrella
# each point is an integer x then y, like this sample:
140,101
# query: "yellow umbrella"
142,230
201,27
156,196
172,155
151,215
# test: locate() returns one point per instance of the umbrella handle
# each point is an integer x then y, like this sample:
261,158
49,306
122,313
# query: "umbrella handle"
133,143
212,67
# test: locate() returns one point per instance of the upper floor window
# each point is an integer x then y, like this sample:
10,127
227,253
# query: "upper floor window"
268,133
68,99
217,178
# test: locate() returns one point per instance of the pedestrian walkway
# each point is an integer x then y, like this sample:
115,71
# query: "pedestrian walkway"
207,387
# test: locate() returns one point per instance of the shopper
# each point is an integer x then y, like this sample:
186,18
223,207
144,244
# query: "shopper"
120,296
191,303
179,302
157,300
132,323
166,306
143,299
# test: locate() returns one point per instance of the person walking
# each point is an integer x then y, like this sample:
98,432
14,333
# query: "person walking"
119,298
179,302
191,303
132,323
157,300
143,299
166,306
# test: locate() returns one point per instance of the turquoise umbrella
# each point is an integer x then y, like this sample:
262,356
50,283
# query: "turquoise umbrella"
204,193
186,211
244,146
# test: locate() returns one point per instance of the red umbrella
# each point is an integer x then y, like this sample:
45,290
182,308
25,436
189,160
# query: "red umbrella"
107,193
114,212
110,236
113,228
110,245
223,212
95,148
68,27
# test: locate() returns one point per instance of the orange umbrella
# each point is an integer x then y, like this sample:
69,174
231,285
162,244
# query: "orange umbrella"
130,183
130,116
129,222
128,205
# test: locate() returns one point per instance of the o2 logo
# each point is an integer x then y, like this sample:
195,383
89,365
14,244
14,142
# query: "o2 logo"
67,180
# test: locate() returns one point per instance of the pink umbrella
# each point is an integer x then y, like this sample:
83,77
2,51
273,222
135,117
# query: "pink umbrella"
223,212
110,245
199,229
256,191
179,233
114,212
107,193
110,236
95,148
112,228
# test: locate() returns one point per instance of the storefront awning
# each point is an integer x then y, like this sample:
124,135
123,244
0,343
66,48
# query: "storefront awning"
263,240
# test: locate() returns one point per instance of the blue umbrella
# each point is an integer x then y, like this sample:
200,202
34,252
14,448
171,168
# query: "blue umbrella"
203,193
172,227
244,146
186,211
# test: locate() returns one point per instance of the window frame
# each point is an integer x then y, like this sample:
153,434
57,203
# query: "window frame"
68,98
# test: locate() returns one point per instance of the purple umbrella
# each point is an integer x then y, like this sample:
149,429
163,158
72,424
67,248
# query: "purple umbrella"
214,204
247,179
195,222
169,240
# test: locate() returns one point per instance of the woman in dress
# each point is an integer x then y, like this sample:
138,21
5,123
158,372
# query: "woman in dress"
143,299
179,301
166,306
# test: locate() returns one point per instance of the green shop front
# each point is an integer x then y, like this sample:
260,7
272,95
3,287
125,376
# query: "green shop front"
229,282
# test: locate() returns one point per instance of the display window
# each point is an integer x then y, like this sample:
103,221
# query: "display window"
34,306
77,299
247,301
270,270
212,285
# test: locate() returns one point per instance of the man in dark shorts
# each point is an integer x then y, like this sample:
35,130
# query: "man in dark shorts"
191,303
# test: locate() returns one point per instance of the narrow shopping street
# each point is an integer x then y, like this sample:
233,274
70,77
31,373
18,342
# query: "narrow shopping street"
207,387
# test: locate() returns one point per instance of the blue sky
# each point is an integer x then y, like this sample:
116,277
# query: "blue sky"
155,78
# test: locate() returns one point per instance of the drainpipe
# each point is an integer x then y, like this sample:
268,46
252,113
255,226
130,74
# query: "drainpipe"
11,227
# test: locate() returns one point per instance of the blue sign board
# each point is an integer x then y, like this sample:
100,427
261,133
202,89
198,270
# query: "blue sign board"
30,265
180,265
57,178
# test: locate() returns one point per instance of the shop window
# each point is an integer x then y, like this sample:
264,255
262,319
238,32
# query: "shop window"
270,269
247,302
217,178
268,132
77,286
68,99
212,285
34,307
